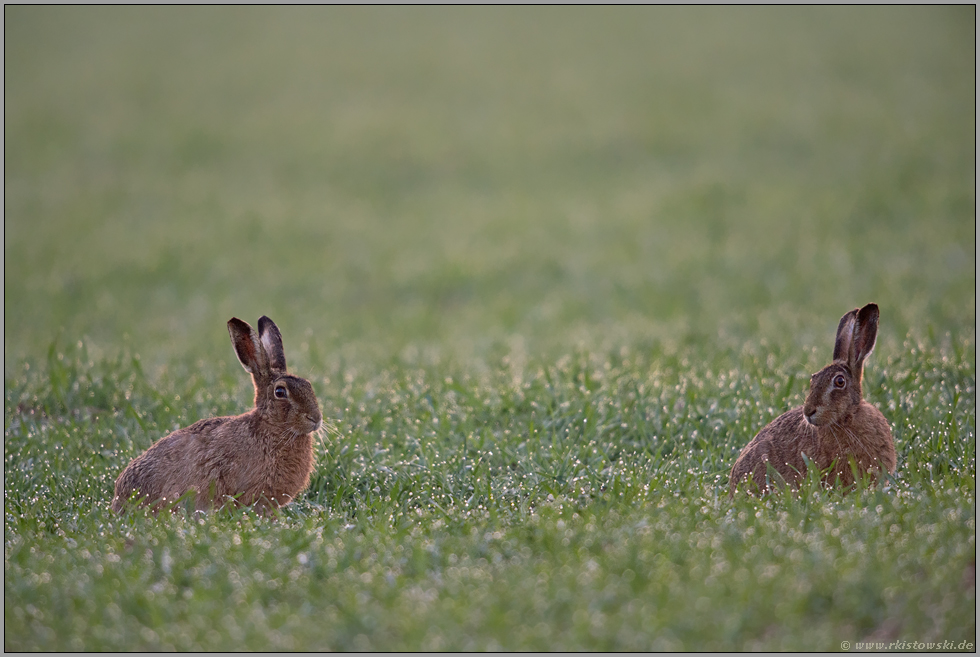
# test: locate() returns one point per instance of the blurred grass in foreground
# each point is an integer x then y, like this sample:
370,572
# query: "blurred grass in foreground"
548,270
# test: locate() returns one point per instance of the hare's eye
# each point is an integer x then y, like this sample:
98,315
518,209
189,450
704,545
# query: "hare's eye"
280,392
839,381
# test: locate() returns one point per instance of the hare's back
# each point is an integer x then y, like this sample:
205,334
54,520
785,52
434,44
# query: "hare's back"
876,434
173,465
781,445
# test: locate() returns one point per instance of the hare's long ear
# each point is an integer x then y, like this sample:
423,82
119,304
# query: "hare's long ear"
845,336
865,335
246,345
271,341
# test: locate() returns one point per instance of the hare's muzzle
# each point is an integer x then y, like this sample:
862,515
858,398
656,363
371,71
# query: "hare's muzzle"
315,421
814,416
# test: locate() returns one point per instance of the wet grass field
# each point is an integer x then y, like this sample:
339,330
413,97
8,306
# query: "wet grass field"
548,271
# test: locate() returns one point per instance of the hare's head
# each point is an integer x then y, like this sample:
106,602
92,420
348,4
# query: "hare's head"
280,397
835,391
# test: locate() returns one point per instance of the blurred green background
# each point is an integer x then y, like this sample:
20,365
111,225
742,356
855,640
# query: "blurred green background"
394,181
548,269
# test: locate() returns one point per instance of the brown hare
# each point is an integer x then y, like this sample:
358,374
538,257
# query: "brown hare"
261,458
833,427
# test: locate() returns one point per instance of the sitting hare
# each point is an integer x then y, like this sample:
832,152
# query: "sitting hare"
261,458
833,427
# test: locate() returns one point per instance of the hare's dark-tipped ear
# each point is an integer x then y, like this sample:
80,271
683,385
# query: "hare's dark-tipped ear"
845,336
865,335
246,345
271,341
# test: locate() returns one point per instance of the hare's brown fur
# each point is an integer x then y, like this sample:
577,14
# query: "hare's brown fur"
262,458
833,428
783,442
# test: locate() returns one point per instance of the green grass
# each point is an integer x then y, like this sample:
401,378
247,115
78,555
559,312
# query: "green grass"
548,271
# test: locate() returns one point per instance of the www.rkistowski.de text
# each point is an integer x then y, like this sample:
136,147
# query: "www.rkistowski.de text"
908,645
